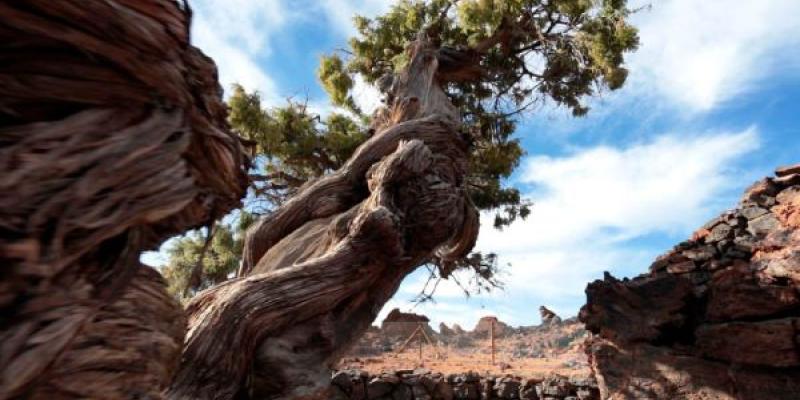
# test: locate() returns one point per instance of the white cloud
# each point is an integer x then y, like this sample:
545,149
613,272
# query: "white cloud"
367,97
340,13
234,64
236,33
590,202
247,23
663,184
701,53
588,206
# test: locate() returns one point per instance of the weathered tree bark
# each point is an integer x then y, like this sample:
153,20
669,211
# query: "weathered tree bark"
318,270
113,137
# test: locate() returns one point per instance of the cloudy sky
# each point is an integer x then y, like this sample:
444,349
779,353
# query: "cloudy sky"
710,106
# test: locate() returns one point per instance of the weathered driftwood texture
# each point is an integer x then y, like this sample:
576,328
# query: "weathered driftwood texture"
113,137
319,269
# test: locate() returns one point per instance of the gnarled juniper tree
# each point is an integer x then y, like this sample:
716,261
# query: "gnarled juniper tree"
355,218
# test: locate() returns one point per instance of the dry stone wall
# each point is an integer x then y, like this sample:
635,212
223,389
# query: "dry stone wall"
422,384
717,317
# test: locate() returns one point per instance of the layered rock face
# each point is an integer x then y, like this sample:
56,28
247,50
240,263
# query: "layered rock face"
423,384
717,317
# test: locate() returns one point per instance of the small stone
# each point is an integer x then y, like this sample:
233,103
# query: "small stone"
700,254
745,243
682,267
507,390
753,212
588,394
788,180
527,390
714,265
422,371
428,383
737,254
342,380
787,170
763,225
410,380
712,223
659,264
402,392
720,232
420,393
378,387
466,391
487,387
761,191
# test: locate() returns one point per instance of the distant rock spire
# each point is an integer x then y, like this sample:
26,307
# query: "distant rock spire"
548,316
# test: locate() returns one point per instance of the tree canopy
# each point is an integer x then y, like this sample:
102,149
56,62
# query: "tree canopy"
497,60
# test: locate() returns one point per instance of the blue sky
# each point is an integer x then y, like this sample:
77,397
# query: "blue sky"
711,105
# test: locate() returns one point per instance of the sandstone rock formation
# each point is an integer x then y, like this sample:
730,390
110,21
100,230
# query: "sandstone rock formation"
423,384
484,326
717,317
398,324
445,331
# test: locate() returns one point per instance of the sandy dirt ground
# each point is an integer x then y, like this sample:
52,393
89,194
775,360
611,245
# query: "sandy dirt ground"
448,360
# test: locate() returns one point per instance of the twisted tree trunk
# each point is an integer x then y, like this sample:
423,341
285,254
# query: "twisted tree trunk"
113,137
318,270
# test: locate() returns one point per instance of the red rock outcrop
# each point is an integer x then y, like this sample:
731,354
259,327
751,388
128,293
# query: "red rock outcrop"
398,324
717,317
484,325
